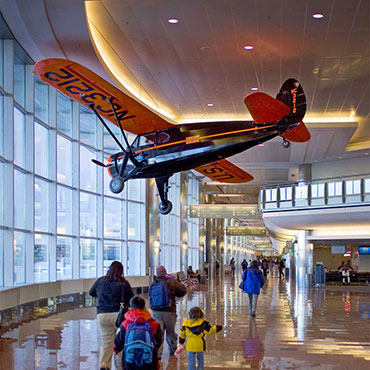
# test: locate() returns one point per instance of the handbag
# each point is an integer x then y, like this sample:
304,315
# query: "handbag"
122,310
121,315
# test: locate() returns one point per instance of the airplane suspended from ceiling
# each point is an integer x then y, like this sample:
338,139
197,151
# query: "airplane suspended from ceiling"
160,148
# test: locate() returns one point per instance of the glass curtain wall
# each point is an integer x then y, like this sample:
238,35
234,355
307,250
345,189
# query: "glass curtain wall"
64,223
170,229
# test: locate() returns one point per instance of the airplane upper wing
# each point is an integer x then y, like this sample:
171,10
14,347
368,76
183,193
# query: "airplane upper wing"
86,87
224,171
264,108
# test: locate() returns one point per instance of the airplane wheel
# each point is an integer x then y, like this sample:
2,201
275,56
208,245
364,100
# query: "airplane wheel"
165,208
286,144
116,185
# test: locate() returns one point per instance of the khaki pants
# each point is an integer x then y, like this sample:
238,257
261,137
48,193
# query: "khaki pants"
167,321
107,331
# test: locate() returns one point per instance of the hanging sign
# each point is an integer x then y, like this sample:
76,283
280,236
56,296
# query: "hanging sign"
223,211
243,230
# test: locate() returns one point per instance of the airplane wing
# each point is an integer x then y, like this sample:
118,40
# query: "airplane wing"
298,134
264,108
224,171
85,86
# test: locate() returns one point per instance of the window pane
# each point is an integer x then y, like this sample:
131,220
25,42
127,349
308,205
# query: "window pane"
41,205
87,127
19,200
134,189
134,221
1,258
110,145
112,252
41,150
19,258
64,210
1,123
1,62
1,194
41,100
87,214
88,262
64,160
112,218
135,258
88,169
41,258
64,114
64,258
19,137
19,80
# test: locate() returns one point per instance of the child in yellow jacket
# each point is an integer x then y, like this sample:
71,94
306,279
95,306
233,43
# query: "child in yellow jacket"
195,328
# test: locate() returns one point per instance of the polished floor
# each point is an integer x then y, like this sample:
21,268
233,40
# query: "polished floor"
294,329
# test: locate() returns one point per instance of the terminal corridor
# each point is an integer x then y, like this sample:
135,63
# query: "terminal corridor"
314,328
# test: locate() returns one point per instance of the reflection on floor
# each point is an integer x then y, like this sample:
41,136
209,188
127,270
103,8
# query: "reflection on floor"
294,329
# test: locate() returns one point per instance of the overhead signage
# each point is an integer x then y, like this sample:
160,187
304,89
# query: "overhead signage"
223,211
259,241
243,230
289,244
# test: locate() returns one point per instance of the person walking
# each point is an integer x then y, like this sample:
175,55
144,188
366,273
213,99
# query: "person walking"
162,297
232,267
265,267
281,269
138,337
193,331
244,264
111,290
253,282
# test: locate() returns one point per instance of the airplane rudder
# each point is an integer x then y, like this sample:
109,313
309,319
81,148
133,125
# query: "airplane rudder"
291,94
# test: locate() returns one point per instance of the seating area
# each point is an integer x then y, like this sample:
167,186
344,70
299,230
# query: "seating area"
356,277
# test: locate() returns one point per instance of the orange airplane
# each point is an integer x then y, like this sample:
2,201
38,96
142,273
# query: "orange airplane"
162,148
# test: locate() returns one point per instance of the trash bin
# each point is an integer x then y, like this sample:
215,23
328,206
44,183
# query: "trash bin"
319,274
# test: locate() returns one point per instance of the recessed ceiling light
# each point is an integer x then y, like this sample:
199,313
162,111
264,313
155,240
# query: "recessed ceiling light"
210,104
340,157
173,21
260,144
317,16
254,88
248,47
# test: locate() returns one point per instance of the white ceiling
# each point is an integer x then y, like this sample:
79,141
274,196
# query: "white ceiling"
201,60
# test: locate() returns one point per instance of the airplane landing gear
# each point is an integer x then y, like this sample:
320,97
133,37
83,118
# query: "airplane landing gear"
116,184
286,143
165,207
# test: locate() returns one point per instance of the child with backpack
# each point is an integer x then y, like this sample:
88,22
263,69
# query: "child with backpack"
194,329
139,337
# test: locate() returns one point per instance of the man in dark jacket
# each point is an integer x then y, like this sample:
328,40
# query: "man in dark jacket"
138,314
167,316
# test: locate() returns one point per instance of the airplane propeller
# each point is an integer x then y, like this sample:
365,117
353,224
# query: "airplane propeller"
99,163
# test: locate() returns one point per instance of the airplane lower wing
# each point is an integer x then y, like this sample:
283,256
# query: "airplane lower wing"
264,108
298,134
224,171
86,87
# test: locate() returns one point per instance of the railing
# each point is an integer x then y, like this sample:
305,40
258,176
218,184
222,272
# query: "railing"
334,192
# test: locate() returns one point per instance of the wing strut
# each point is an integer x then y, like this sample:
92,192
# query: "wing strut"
92,107
132,157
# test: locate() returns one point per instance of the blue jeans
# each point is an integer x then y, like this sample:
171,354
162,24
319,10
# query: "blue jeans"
191,360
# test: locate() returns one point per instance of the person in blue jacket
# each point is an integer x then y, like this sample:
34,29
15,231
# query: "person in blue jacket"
253,282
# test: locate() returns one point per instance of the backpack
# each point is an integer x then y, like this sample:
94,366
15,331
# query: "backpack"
139,343
159,296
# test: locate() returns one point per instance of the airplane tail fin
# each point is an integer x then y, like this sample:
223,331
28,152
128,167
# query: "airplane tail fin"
292,95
